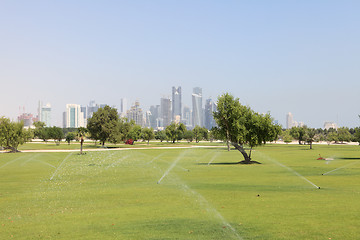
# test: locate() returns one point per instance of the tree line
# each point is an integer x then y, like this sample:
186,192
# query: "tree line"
306,135
237,125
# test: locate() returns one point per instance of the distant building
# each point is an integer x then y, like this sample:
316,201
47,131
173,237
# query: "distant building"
74,117
64,120
176,104
83,109
135,113
154,116
197,107
123,107
210,107
91,108
28,119
328,125
165,111
289,120
187,117
44,114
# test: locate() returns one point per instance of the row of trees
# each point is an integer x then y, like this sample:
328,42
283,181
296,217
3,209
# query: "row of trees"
237,125
306,135
106,126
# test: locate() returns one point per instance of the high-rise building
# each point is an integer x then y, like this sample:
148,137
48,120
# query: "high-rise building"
197,107
165,111
44,114
135,113
210,107
74,116
328,125
289,120
123,107
176,104
91,108
147,119
64,120
83,109
154,116
187,117
28,119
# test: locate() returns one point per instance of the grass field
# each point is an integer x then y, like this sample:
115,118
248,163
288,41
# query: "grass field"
195,193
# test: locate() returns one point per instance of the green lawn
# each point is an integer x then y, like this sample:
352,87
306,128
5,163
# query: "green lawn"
50,145
177,194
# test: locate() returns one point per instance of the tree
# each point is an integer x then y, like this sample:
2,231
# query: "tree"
205,133
13,134
220,135
309,136
181,128
134,133
332,136
69,137
147,134
298,133
160,135
343,134
55,133
287,137
174,130
103,123
356,137
189,136
124,128
241,125
81,133
198,133
41,131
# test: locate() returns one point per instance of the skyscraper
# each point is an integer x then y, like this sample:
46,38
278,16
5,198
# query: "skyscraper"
210,107
154,117
135,113
123,107
197,107
176,104
44,114
165,111
91,108
74,116
289,120
187,117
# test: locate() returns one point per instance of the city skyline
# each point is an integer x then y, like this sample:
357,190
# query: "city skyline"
157,116
277,57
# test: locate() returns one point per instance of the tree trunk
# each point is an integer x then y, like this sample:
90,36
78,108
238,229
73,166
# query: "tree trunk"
228,145
310,145
247,158
81,145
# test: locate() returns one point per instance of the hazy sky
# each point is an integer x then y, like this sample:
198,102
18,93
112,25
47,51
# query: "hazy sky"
279,56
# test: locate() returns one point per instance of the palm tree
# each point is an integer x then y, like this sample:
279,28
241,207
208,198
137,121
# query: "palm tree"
81,133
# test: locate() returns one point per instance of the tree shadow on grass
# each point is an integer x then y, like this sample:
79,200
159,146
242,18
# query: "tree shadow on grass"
349,158
231,163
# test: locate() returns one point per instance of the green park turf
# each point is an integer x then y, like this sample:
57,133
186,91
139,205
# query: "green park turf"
195,193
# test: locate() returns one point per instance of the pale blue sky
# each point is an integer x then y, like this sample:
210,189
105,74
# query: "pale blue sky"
279,56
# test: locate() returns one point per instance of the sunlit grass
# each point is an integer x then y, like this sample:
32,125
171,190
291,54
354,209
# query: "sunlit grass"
115,195
50,145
